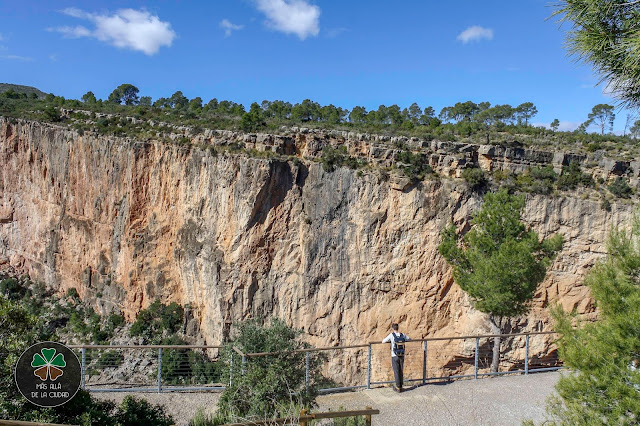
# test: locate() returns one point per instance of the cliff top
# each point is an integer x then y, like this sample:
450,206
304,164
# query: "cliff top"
143,121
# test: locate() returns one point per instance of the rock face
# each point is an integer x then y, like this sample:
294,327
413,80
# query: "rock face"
340,255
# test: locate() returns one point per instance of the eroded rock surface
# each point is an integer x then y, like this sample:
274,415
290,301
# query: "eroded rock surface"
336,254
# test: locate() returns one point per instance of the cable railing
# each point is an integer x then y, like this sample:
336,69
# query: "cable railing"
165,368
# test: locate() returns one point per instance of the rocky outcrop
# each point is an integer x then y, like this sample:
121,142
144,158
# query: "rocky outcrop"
339,254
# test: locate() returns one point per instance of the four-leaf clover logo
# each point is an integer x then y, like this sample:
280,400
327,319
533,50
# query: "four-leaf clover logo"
48,364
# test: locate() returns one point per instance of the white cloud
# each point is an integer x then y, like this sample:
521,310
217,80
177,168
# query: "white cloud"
291,16
53,57
72,32
229,27
335,32
76,13
126,28
565,126
17,58
1,38
475,33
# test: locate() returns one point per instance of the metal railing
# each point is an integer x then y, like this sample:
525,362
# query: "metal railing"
148,368
161,368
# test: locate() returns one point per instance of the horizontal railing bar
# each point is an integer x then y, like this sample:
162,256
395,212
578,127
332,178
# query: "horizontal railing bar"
540,370
238,351
501,373
328,348
479,336
426,339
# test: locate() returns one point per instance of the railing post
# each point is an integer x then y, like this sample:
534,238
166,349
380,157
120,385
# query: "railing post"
83,369
231,370
475,360
303,414
244,363
307,366
369,367
424,363
368,417
526,355
159,370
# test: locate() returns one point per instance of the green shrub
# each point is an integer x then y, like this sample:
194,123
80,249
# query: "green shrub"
72,293
572,176
184,366
413,165
52,114
620,188
475,177
114,321
158,319
12,289
137,411
338,157
605,205
538,180
203,419
264,386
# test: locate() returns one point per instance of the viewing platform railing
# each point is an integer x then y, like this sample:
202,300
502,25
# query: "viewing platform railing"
165,368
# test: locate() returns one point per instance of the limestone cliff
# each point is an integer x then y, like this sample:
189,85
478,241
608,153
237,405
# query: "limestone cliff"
339,254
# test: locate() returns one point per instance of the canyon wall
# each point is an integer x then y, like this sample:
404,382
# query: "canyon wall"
339,254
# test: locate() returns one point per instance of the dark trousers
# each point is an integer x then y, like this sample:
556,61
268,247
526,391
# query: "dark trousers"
397,362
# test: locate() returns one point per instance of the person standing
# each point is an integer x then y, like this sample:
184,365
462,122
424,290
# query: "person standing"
397,341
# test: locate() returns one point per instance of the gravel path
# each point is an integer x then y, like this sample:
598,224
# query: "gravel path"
493,401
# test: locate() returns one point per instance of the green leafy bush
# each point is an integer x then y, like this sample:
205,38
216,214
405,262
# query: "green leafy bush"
338,157
620,188
157,320
539,180
475,177
264,386
572,177
415,166
20,329
183,366
137,411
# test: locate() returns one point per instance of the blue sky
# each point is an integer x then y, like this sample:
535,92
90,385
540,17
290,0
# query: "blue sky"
342,52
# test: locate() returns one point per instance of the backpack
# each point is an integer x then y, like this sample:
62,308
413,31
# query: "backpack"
398,344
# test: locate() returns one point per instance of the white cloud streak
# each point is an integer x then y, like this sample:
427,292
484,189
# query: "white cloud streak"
229,27
475,33
17,58
127,28
291,16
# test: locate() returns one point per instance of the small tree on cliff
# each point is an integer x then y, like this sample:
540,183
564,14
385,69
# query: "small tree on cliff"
499,262
605,355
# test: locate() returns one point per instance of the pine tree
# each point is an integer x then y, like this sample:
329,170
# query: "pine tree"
604,33
499,262
604,356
